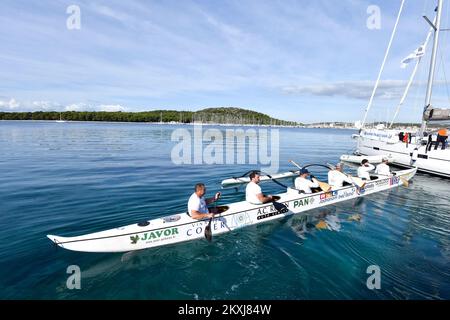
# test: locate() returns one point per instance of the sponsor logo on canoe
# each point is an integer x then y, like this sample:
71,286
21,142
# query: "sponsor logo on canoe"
173,218
335,195
199,228
367,187
154,236
303,202
240,220
328,195
272,210
383,182
394,180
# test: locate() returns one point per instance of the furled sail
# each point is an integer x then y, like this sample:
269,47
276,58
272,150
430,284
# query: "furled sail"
436,114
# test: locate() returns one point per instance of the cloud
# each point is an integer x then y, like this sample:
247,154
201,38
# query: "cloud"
45,105
110,13
388,89
111,108
12,105
102,107
153,53
9,105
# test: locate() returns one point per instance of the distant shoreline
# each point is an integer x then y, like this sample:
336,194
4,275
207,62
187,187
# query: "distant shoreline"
183,124
304,126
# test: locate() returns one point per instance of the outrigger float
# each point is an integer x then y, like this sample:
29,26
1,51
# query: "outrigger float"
181,227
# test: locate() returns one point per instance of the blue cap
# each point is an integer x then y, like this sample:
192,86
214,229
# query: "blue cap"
303,171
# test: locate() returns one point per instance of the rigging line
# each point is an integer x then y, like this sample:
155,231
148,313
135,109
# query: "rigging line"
445,77
444,49
425,6
369,105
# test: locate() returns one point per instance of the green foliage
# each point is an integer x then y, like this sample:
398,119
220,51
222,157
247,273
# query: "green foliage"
210,115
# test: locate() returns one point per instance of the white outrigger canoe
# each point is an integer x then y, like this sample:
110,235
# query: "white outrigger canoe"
356,159
181,227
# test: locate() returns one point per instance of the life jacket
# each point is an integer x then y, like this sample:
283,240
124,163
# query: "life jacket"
443,132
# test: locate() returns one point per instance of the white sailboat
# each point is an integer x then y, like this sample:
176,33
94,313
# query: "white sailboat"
414,150
60,119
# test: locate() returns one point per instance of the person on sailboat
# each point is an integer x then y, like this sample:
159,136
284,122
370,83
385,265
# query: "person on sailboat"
406,138
432,140
364,169
336,178
304,185
441,138
253,192
197,205
383,168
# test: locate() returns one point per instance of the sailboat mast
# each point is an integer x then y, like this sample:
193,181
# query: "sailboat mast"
432,63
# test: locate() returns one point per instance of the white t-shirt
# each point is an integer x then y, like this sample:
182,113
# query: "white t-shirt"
305,185
336,179
197,204
363,171
383,169
251,192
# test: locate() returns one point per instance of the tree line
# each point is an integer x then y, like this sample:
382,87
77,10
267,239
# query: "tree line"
211,115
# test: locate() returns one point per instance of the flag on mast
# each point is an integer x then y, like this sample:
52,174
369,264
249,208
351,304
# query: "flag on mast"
418,53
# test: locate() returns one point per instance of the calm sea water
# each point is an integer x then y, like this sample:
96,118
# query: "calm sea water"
75,178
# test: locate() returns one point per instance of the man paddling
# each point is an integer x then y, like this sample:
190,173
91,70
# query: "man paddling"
383,168
304,185
253,192
336,177
197,205
364,169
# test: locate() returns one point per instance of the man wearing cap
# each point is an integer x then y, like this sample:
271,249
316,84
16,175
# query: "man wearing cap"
336,177
364,169
305,185
383,168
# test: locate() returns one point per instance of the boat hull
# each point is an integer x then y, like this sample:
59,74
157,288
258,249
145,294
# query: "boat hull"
436,162
179,228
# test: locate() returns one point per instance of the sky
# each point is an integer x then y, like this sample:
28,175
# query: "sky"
299,60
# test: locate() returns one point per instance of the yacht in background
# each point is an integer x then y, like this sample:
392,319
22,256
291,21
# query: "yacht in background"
415,147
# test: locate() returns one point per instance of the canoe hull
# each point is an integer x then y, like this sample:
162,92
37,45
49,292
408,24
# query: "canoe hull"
372,159
181,227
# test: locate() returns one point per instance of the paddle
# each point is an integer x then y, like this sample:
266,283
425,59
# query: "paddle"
274,180
404,181
208,233
324,186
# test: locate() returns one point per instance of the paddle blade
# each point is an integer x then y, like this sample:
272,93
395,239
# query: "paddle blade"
208,233
321,225
404,181
324,186
359,182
